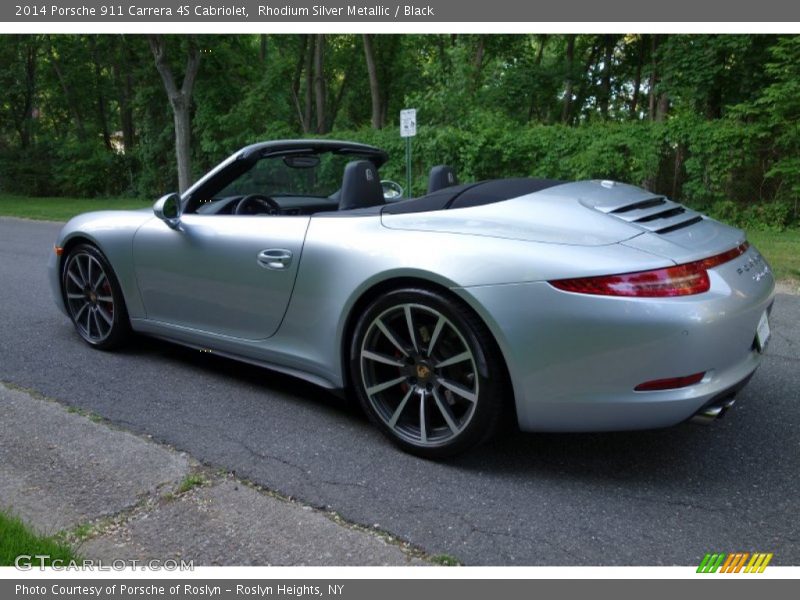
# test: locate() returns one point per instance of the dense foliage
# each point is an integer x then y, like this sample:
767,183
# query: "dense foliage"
713,120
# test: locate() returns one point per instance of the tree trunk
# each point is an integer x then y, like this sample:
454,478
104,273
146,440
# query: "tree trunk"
477,63
69,97
26,121
568,82
262,48
374,84
181,100
319,82
608,57
124,85
637,81
652,99
537,63
309,83
298,71
102,112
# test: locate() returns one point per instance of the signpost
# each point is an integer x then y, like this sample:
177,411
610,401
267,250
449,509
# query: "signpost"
408,129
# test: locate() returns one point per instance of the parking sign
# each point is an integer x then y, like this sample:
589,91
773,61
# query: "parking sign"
408,122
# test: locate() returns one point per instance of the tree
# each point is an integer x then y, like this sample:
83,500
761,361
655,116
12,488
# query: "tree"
180,100
374,83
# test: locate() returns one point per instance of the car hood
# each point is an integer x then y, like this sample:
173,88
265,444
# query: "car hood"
584,213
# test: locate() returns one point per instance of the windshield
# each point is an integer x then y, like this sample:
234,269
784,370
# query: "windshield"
308,175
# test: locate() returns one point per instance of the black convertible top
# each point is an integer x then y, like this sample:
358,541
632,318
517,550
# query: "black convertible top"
471,194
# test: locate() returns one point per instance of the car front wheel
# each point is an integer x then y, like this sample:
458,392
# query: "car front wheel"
94,299
427,372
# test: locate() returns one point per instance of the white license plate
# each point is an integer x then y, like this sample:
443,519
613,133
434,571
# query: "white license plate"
762,332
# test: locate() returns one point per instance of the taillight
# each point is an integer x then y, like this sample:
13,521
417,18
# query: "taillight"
680,280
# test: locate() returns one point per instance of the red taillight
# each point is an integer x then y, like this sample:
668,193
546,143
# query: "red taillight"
670,383
680,280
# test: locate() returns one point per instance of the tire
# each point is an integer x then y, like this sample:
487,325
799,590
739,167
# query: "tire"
427,372
93,298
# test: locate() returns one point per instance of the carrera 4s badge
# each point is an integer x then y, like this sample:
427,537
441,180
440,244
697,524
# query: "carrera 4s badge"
755,265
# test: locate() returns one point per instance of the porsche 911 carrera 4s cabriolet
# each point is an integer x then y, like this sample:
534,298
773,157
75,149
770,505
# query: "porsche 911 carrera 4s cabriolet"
569,306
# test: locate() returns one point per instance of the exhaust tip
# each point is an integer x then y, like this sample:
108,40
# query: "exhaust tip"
708,414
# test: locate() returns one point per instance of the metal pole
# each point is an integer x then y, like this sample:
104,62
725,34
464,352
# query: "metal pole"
408,167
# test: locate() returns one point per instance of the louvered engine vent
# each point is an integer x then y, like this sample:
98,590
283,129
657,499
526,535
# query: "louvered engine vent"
656,214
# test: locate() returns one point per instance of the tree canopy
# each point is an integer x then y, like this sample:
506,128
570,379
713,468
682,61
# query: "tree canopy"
709,119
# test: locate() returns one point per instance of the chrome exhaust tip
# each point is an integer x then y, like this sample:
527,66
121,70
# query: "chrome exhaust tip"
708,414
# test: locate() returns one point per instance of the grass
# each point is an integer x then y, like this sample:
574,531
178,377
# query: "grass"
62,209
17,539
192,480
445,560
782,250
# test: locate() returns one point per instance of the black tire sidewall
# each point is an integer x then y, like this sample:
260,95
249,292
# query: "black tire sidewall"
490,402
120,327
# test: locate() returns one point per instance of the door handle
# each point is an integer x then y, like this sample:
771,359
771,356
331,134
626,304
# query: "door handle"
275,258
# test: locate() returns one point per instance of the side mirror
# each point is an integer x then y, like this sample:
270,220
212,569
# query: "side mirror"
392,191
168,209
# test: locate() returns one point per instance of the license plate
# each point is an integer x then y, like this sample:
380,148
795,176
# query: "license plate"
762,332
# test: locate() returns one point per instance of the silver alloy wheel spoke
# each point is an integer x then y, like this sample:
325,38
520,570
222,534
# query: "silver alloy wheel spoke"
106,317
382,358
446,412
385,385
399,410
437,330
74,278
89,261
390,336
466,355
457,389
100,279
80,271
423,426
80,311
76,296
105,299
410,323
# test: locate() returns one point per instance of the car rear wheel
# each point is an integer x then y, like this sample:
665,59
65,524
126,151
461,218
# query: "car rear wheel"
427,372
94,299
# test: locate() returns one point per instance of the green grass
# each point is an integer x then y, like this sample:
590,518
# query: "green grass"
192,480
16,539
62,209
445,560
782,251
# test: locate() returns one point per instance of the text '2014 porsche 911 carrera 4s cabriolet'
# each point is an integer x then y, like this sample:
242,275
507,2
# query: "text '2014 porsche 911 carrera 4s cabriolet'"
571,306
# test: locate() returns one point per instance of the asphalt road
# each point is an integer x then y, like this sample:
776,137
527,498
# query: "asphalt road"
645,498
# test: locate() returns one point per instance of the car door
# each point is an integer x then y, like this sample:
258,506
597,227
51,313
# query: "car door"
223,274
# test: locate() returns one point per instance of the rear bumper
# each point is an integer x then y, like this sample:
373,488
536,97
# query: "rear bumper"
575,359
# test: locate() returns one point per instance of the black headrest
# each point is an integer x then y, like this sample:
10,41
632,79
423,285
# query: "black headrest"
361,186
441,177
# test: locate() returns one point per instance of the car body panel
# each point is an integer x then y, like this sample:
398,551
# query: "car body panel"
213,261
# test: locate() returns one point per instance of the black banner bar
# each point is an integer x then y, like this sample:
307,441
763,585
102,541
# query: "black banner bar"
406,11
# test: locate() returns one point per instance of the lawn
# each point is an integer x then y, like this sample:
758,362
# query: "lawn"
62,209
16,539
782,250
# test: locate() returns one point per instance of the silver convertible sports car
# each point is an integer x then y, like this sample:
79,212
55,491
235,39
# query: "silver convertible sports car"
583,306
